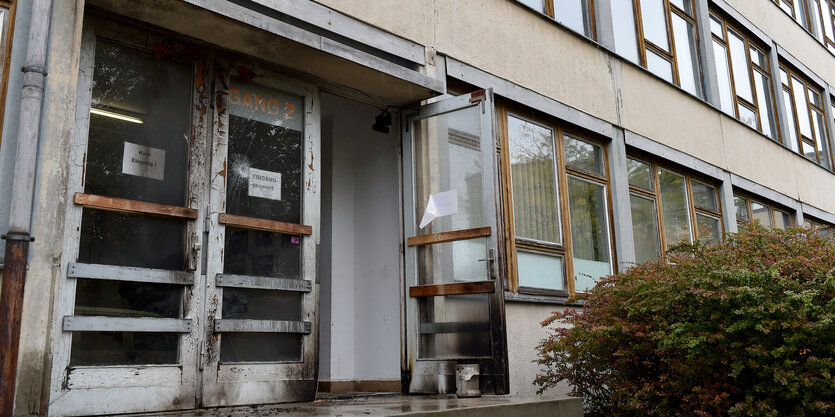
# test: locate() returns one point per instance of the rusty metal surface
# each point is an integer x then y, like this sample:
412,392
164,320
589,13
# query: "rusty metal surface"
379,404
11,307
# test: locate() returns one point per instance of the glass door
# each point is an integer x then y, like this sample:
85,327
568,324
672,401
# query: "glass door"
454,306
263,233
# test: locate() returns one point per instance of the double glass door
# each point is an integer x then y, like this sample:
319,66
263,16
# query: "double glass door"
191,232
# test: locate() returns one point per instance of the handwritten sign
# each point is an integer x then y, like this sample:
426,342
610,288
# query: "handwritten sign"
264,184
143,161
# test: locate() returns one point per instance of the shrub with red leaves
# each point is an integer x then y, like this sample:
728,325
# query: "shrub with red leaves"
742,328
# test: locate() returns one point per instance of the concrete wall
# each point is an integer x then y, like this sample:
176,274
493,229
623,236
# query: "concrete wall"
361,313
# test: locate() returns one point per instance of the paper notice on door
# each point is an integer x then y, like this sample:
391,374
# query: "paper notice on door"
143,161
439,205
264,184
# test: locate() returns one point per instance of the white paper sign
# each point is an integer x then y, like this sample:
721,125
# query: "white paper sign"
264,184
439,205
143,161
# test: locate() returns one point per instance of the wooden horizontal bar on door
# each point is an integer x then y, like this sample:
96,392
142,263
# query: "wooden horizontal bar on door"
125,324
449,236
266,283
129,273
133,206
479,287
261,326
265,225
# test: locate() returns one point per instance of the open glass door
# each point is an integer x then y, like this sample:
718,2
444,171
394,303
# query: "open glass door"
454,299
263,234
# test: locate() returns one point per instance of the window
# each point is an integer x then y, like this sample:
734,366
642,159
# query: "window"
752,211
816,16
666,39
827,15
803,101
819,227
575,14
743,73
546,194
669,207
6,22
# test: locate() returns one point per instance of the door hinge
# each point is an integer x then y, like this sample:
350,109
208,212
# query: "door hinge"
202,355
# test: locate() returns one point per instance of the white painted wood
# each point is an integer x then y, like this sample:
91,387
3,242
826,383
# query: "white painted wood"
128,273
262,326
246,281
84,377
137,399
125,324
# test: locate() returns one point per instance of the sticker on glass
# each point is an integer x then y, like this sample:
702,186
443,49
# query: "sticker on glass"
439,205
264,184
143,161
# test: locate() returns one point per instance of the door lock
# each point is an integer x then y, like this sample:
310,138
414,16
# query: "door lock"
491,259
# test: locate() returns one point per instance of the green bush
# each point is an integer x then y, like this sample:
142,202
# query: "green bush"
743,328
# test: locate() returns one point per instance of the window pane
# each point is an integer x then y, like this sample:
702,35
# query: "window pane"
262,254
802,107
532,168
782,220
540,270
788,107
716,27
723,75
758,58
739,64
684,35
98,297
704,196
454,326
256,304
765,103
659,66
784,77
708,228
644,228
583,155
826,12
537,5
820,136
814,7
260,347
762,214
785,5
809,151
674,207
685,5
741,205
589,232
640,174
123,348
747,116
654,20
799,14
623,26
572,13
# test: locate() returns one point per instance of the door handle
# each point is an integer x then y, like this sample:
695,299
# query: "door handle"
491,259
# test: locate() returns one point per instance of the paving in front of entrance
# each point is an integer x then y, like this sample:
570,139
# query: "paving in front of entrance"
375,405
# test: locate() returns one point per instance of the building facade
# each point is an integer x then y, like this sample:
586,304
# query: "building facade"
244,202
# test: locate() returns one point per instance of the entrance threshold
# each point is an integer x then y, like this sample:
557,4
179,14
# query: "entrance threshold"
388,404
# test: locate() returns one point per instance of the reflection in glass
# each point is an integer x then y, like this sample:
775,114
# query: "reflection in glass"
802,108
820,133
644,228
589,232
582,155
761,213
782,220
454,326
723,76
540,270
684,35
450,262
257,304
262,254
741,205
674,207
127,299
659,66
764,102
789,112
739,64
640,174
704,196
708,228
572,13
747,116
623,26
532,174
448,158
654,20
123,348
260,347
809,151
716,27
758,57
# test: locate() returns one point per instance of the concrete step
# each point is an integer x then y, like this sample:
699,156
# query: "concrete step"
385,404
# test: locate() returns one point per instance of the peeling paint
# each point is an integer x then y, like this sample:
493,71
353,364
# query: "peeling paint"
222,172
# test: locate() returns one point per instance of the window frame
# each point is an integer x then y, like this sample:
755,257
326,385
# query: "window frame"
547,8
754,69
6,40
811,108
672,56
564,250
772,208
815,226
693,209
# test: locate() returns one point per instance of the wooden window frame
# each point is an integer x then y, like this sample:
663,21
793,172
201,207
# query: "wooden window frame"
6,40
591,21
644,44
655,196
816,225
563,250
810,109
754,69
750,198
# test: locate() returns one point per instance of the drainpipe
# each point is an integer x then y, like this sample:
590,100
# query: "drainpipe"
18,236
